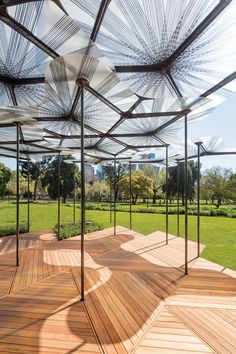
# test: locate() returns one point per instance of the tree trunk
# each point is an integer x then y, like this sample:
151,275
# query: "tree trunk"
219,202
154,197
35,188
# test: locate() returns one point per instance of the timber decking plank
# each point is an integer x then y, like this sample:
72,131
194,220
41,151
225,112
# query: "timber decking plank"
137,298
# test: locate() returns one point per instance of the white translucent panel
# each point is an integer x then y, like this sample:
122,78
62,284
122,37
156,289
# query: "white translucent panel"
210,58
7,134
25,95
111,146
145,32
139,140
29,128
20,58
98,154
210,144
50,24
5,152
5,95
62,74
80,11
61,90
29,95
140,32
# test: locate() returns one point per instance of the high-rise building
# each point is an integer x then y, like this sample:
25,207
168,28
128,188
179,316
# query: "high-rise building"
89,173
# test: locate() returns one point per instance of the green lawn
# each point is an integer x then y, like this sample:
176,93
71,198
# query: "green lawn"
217,233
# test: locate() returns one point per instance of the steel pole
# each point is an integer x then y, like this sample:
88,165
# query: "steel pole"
114,196
28,185
130,196
17,192
110,196
178,172
198,198
82,168
167,202
59,198
74,197
186,191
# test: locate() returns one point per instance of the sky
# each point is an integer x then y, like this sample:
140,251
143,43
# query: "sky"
220,123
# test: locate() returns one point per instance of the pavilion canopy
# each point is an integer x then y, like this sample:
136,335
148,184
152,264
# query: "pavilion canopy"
165,48
148,64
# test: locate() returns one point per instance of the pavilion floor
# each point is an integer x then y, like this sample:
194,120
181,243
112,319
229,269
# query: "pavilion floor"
137,298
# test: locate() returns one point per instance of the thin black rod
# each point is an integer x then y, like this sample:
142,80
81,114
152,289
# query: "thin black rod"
186,191
178,177
114,186
17,192
130,196
82,182
59,197
28,195
110,193
167,202
198,199
74,198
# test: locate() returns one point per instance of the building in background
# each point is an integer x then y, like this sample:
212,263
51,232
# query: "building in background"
89,173
99,173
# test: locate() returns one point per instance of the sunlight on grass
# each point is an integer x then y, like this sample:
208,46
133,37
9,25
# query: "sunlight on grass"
218,234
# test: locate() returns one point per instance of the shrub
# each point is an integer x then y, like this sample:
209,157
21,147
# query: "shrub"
205,213
74,229
8,230
222,212
213,212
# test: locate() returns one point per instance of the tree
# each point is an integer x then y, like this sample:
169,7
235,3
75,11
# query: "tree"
5,175
205,189
36,170
172,180
157,177
217,181
97,190
232,186
121,171
140,186
68,178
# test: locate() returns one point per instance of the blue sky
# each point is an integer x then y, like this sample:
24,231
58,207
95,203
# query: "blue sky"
222,122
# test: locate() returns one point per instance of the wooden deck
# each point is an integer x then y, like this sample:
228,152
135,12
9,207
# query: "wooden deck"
137,297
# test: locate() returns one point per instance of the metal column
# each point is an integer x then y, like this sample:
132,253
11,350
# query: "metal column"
74,196
114,195
186,191
178,177
28,204
110,196
198,197
167,205
59,197
17,192
82,221
130,196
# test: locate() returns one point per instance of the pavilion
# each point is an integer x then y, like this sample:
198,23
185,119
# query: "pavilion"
105,80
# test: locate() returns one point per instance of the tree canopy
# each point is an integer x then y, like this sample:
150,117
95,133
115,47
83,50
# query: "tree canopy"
5,175
68,178
217,184
172,180
36,170
141,186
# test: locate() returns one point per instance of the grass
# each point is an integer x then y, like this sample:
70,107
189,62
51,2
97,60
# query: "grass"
217,233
